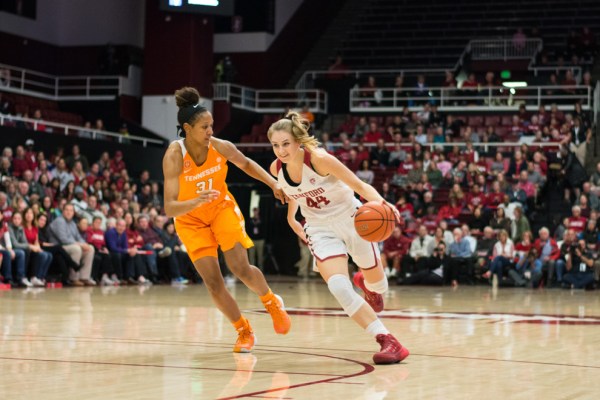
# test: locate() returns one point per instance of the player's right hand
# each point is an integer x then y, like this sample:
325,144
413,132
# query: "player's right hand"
206,196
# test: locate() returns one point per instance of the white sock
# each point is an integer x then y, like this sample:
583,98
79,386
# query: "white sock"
376,328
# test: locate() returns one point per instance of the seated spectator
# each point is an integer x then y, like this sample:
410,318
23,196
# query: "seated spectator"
405,209
450,212
420,135
516,165
548,251
39,124
418,253
466,236
593,201
475,198
591,235
433,269
62,260
39,259
461,260
434,175
525,185
528,270
395,248
485,248
342,153
365,173
478,221
128,264
102,266
502,257
387,193
64,232
11,258
153,242
373,134
517,195
579,267
379,154
415,174
576,221
398,155
495,197
360,129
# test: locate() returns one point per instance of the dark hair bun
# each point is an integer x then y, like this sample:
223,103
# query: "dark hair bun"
187,96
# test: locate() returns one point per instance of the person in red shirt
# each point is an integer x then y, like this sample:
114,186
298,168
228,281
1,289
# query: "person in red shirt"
343,152
362,153
102,260
576,221
449,212
524,184
476,198
394,249
522,248
31,155
406,209
373,134
19,163
117,164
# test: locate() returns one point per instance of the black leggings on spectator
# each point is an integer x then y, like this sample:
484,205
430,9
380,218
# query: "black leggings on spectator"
102,265
423,277
126,267
459,266
61,261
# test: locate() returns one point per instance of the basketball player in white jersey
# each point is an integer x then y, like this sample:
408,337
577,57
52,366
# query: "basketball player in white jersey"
324,189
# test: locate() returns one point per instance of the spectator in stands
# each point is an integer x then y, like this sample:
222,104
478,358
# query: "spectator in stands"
373,134
387,193
469,87
466,234
86,132
117,165
478,221
517,196
419,251
588,41
516,165
77,156
434,175
519,40
394,249
422,89
579,266
360,129
39,259
502,257
63,231
485,247
63,174
153,242
11,258
420,136
460,253
365,173
4,77
548,252
379,154
127,263
528,270
574,173
102,266
433,269
37,234
576,222
39,122
520,225
593,200
579,139
398,155
414,175
449,80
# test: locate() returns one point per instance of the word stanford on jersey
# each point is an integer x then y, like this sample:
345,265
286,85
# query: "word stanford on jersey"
312,193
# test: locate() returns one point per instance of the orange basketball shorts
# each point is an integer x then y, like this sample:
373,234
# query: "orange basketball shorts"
220,226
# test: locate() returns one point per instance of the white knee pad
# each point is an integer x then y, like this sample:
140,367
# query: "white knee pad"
342,290
378,287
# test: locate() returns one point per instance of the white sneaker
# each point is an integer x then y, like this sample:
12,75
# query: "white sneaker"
106,281
393,273
37,282
26,282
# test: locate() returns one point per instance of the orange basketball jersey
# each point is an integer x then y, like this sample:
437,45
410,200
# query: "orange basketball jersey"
196,178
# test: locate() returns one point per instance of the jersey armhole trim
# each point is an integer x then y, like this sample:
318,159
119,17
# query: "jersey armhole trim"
278,165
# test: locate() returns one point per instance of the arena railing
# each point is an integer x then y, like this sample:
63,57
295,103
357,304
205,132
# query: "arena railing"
69,87
496,98
270,100
308,78
504,49
72,130
528,140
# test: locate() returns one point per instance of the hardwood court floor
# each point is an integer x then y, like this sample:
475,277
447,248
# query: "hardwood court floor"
165,342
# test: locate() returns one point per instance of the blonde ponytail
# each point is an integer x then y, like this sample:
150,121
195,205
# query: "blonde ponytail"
298,127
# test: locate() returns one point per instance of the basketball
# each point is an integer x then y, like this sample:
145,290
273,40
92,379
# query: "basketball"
374,221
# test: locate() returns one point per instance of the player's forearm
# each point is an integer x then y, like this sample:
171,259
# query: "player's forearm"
369,193
257,172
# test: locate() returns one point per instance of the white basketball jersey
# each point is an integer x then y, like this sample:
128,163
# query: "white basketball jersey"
320,197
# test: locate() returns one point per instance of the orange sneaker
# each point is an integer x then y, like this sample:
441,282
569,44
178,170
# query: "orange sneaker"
281,319
245,341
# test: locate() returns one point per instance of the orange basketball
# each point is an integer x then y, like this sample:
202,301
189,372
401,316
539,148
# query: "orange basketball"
374,221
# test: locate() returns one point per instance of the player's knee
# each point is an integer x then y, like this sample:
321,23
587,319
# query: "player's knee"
342,290
377,287
214,285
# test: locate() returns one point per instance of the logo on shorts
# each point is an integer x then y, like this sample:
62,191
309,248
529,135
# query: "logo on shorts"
313,181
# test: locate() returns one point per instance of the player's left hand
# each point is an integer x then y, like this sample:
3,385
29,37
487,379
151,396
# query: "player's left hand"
394,209
279,193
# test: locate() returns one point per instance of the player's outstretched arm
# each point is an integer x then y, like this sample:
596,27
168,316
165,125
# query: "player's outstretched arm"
250,167
291,218
172,164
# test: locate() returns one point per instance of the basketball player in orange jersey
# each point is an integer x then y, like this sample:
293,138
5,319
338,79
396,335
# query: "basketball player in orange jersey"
324,189
207,215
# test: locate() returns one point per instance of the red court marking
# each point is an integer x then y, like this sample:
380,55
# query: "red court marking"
367,368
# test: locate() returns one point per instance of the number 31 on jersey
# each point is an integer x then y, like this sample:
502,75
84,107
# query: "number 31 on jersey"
201,185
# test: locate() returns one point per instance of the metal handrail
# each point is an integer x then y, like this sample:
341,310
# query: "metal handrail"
52,87
73,129
269,100
482,98
431,146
